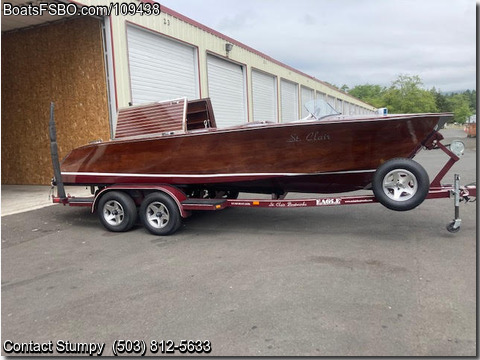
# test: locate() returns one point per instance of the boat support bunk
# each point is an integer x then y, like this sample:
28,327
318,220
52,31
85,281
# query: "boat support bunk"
164,206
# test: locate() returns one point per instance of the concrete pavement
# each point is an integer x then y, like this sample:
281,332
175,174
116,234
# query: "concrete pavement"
21,198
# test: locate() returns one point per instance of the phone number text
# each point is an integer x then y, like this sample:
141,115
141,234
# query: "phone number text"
140,347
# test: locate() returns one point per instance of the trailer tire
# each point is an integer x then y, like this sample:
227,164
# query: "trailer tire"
232,194
160,214
117,211
400,184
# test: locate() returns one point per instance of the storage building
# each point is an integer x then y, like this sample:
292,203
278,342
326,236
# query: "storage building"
91,66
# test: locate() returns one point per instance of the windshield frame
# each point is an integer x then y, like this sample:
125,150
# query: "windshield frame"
320,109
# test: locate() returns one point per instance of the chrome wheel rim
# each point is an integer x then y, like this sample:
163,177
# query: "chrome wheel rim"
157,215
113,213
400,185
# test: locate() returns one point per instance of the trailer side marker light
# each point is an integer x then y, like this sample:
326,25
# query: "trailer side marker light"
218,206
256,203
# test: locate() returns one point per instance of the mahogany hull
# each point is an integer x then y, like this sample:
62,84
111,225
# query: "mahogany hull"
333,155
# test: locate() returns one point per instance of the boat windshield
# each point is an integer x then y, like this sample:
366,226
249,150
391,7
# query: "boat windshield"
319,109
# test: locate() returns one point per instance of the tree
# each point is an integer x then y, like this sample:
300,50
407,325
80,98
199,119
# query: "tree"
441,100
471,96
406,96
460,106
371,94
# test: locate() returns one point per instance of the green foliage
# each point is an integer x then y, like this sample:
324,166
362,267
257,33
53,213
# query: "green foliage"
471,96
371,94
407,95
441,100
460,106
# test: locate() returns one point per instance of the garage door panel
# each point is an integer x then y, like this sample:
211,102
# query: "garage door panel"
331,101
307,95
226,87
289,101
160,68
264,91
339,107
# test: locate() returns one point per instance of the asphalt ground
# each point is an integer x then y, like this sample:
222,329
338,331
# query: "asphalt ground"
334,281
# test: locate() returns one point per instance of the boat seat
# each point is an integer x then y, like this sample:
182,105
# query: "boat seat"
200,114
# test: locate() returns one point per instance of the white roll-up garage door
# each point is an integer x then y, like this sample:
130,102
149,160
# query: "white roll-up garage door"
321,95
226,88
307,95
331,101
264,91
346,108
339,107
289,98
160,68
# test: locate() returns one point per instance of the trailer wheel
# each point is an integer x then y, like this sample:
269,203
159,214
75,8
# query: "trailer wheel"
400,184
228,194
117,211
160,214
232,194
451,228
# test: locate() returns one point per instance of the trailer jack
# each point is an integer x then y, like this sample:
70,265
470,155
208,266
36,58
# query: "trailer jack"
458,195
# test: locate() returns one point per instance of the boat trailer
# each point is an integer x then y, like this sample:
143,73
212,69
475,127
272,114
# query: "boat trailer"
181,205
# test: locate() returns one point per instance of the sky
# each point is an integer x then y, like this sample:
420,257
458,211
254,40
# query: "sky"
353,42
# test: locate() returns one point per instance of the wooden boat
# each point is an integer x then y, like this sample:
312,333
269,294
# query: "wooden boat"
177,142
168,159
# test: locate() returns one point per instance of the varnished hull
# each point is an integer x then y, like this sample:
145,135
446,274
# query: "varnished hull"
332,155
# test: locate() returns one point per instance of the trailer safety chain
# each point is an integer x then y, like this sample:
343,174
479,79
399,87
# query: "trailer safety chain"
51,193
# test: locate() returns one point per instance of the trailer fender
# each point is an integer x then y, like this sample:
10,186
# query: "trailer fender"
176,194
